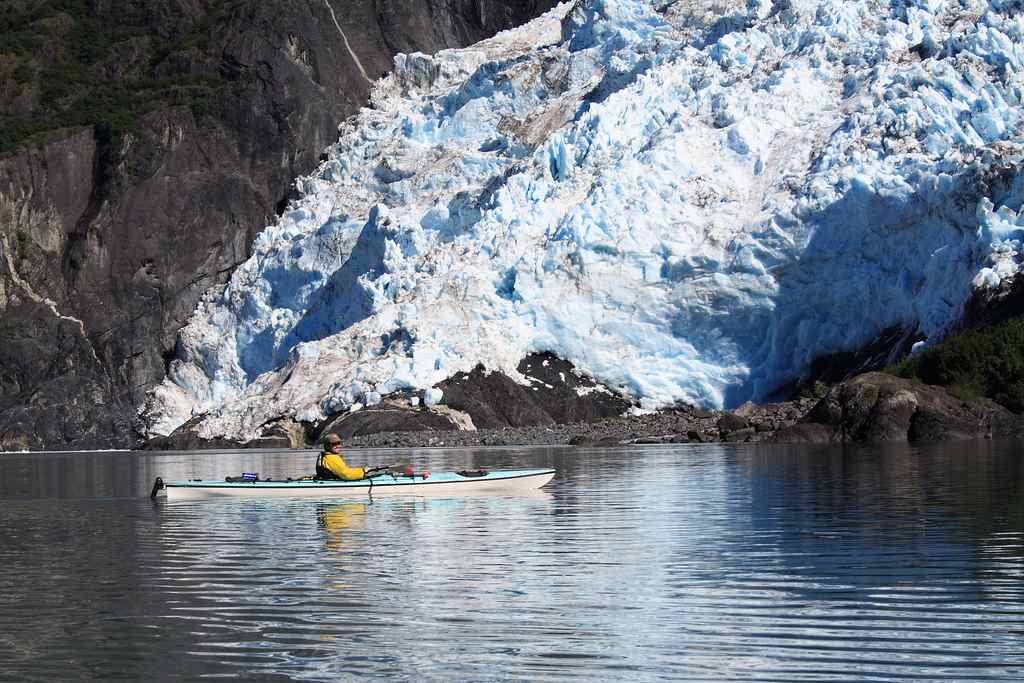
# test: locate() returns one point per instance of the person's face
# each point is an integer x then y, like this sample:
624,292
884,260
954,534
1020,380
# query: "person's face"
335,447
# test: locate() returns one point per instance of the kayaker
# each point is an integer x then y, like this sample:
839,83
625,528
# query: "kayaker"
330,464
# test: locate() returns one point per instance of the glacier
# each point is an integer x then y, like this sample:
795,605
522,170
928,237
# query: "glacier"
689,201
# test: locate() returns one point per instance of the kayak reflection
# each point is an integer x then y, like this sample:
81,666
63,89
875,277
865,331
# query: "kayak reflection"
338,520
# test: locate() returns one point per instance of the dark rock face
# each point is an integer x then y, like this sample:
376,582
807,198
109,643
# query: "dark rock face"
493,399
567,394
993,306
557,394
877,407
891,345
108,242
71,408
372,421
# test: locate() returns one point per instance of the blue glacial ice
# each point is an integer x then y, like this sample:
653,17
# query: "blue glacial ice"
689,203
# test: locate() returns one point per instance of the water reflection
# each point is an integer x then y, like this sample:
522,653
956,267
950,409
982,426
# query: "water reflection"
336,520
707,562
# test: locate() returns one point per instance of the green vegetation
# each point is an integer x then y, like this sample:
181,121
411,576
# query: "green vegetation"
16,42
71,63
982,363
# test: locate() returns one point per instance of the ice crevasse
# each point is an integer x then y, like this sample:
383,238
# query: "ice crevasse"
688,203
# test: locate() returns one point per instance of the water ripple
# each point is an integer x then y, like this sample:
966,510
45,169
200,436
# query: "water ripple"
706,563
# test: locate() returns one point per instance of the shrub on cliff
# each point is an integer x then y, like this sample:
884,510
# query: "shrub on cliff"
987,362
79,52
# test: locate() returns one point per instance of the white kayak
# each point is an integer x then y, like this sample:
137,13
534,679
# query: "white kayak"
440,483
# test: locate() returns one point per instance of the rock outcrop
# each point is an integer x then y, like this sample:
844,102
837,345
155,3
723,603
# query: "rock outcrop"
877,407
107,241
556,394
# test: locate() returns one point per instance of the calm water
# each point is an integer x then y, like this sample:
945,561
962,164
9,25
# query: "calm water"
682,562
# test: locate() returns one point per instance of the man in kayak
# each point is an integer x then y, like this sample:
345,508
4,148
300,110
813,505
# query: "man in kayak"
330,464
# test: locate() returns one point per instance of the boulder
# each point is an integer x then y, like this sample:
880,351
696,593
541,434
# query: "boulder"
804,432
731,422
594,441
284,433
878,407
739,435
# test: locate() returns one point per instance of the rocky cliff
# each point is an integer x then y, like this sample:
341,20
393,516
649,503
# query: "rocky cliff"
146,143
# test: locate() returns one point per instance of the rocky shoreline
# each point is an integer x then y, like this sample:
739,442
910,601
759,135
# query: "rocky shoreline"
871,408
750,423
492,410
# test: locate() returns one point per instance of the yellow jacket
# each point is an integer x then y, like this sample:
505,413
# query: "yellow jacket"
336,465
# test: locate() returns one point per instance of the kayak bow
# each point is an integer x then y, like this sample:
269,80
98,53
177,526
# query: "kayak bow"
439,483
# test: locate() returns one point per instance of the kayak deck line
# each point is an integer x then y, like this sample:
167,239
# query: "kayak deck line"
493,481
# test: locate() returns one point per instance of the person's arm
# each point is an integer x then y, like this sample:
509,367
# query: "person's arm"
336,464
